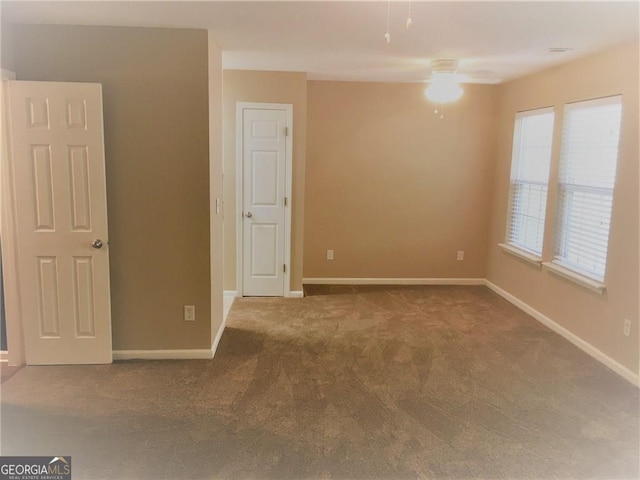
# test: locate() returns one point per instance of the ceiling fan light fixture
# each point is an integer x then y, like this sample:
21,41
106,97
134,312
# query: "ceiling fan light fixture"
444,86
444,89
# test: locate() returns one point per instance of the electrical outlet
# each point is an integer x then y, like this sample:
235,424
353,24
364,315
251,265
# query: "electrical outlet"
189,313
626,329
329,254
460,255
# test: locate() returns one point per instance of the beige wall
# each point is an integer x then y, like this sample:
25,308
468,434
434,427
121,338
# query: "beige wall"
157,158
392,188
264,87
597,319
6,47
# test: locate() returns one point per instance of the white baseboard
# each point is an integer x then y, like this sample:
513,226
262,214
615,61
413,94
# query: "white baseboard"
227,301
393,281
4,356
573,338
191,354
216,340
231,294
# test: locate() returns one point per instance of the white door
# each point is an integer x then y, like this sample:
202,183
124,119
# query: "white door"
57,159
264,174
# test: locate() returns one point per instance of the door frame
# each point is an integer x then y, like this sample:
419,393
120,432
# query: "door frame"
288,109
11,283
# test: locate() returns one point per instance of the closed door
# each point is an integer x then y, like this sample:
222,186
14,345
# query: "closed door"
263,165
57,159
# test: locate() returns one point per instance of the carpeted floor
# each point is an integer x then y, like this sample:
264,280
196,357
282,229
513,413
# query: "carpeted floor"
7,371
347,383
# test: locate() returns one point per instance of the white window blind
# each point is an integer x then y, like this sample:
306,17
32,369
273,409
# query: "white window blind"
531,157
590,138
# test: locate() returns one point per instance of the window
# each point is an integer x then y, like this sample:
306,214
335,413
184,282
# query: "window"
588,159
530,161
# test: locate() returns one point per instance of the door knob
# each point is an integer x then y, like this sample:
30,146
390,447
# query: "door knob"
249,214
97,243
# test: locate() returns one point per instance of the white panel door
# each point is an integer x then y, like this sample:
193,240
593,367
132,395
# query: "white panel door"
61,209
264,176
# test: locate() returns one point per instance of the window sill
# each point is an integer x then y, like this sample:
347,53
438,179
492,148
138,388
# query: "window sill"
581,280
521,254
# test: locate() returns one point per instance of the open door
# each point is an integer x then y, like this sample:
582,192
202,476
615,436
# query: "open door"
58,175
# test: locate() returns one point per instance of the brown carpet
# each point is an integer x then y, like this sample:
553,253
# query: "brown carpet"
7,371
347,383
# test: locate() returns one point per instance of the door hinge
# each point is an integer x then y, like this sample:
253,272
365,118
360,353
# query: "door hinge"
285,201
284,268
286,131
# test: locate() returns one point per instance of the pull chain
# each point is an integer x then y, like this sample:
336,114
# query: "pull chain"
387,36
